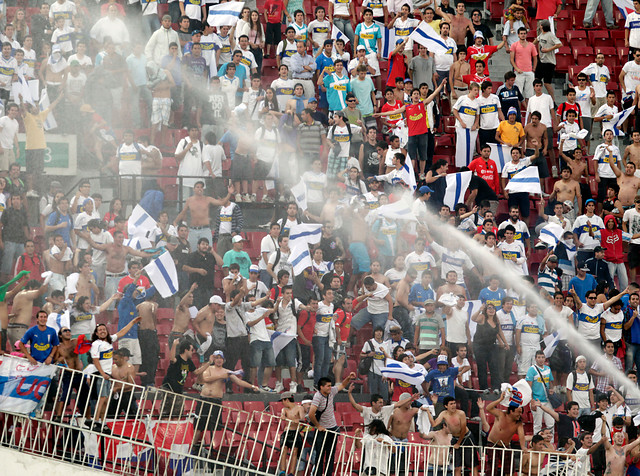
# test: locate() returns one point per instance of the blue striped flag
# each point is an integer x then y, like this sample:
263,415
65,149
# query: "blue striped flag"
225,13
619,119
465,146
457,185
163,274
500,154
300,258
140,222
401,371
336,34
551,234
527,180
310,233
138,243
425,35
399,210
279,340
388,42
551,342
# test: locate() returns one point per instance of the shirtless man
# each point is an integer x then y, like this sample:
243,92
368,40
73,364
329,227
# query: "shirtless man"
291,438
535,131
357,247
616,454
439,456
632,151
506,425
210,405
123,374
148,340
450,286
567,189
67,357
532,461
459,69
160,83
457,423
22,310
116,261
460,24
198,207
85,284
627,181
59,263
402,417
377,275
205,320
5,296
182,316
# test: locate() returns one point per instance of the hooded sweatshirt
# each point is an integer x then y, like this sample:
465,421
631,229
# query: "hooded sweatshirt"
612,241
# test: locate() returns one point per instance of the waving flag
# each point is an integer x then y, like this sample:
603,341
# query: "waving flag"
336,34
138,243
457,185
470,307
619,119
299,192
279,340
399,210
310,233
516,395
551,234
50,121
401,371
500,154
527,180
22,385
163,274
465,146
388,39
226,13
425,35
551,342
625,6
300,258
140,222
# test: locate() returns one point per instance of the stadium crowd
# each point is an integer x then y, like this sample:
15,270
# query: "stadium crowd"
358,131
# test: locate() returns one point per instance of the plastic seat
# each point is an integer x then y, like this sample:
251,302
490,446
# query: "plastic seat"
583,51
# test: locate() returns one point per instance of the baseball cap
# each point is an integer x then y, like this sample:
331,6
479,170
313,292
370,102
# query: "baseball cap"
173,240
591,200
512,110
429,301
338,260
404,396
286,396
583,267
442,359
196,32
553,259
216,300
408,80
218,353
580,357
310,100
340,114
237,239
254,269
599,248
361,47
568,204
478,34
425,189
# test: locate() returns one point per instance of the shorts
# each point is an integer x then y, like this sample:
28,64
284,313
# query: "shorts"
524,81
101,387
291,439
273,34
208,413
545,72
241,168
133,346
587,123
340,350
464,456
634,255
288,355
262,354
111,282
7,158
34,159
360,260
161,111
261,170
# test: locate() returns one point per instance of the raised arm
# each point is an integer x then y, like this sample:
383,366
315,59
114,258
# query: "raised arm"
352,400
128,327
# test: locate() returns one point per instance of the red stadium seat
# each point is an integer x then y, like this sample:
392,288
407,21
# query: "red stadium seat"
576,38
599,21
563,25
577,18
563,63
599,38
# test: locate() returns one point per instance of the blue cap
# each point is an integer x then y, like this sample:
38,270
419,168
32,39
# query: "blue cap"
311,100
425,189
218,353
590,200
512,110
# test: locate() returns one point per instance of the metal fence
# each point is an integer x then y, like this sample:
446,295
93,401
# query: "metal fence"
153,431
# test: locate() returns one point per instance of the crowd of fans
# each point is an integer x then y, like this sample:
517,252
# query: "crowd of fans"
328,121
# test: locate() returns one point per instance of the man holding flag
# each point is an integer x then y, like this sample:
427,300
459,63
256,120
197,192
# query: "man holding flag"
519,195
467,117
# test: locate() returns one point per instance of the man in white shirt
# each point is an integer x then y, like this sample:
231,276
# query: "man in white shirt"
599,76
158,45
111,26
9,137
442,62
630,77
189,157
467,117
379,305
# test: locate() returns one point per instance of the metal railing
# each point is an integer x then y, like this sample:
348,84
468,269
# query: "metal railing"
154,431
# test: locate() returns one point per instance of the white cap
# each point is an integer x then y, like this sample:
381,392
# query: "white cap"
237,239
443,359
216,300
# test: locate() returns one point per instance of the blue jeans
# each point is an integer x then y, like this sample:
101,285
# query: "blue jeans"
632,356
364,316
322,353
344,25
12,252
150,23
195,235
376,385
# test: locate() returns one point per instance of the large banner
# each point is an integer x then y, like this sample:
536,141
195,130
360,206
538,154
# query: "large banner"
22,385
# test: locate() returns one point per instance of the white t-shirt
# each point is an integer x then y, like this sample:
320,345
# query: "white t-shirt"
589,321
130,158
377,304
465,377
420,262
632,218
80,223
444,61
8,133
258,332
215,155
286,319
103,238
489,107
226,217
530,331
544,105
632,23
368,416
583,99
316,183
341,135
603,156
191,164
404,28
468,110
580,388
268,245
507,324
613,325
102,350
632,76
324,319
456,325
284,91
379,360
341,7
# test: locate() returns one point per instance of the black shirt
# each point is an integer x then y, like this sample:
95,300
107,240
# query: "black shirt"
177,374
485,192
330,248
568,427
371,160
205,261
13,223
181,255
486,31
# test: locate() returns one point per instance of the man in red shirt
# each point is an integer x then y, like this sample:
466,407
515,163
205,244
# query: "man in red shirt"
30,261
570,105
343,325
485,168
134,267
273,10
391,104
548,8
306,326
479,76
479,51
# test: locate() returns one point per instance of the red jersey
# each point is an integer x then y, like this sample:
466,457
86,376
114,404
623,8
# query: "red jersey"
474,78
30,263
127,280
566,107
393,118
274,9
400,387
307,324
397,69
488,171
416,119
343,323
484,52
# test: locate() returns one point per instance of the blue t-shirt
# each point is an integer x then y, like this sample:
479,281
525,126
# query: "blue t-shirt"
487,296
337,89
41,342
324,63
538,391
582,286
419,294
55,219
442,383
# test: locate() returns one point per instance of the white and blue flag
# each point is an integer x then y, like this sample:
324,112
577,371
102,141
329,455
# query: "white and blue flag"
140,222
299,192
425,35
551,234
399,210
336,34
226,13
527,180
138,243
619,119
163,274
457,185
279,340
500,154
551,342
50,121
300,258
402,371
301,236
465,146
388,42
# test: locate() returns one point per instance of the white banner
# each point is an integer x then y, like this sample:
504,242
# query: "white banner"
22,385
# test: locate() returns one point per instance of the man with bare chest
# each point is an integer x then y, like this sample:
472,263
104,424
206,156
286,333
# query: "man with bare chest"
632,151
22,310
67,357
507,424
627,181
7,295
450,285
123,375
535,131
567,189
198,206
439,456
377,276
148,340
290,439
616,454
83,284
399,426
182,316
460,25
459,69
203,325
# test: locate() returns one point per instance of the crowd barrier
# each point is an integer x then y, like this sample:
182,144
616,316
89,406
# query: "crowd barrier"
154,431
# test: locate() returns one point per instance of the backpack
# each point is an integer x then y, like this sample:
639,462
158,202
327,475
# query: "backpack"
365,363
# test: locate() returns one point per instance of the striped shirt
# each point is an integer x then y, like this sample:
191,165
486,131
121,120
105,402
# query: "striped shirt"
310,137
430,331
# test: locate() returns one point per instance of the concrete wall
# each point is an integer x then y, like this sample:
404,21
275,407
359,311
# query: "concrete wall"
15,462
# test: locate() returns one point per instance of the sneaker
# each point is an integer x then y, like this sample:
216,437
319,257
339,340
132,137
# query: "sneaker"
253,197
267,199
266,389
246,198
293,387
422,176
282,198
587,25
279,388
32,194
238,197
310,374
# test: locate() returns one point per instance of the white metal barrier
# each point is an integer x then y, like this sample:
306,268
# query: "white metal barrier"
154,431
